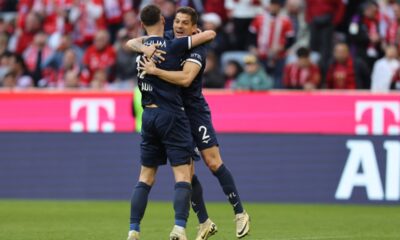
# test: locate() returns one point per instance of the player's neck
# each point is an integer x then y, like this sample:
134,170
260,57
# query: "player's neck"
155,31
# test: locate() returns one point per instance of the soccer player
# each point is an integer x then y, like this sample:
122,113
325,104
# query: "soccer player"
197,109
166,128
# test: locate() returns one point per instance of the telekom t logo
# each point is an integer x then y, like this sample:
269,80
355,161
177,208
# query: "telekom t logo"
378,125
93,122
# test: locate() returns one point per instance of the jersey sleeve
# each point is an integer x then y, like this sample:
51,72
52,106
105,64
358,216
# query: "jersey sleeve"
181,44
197,55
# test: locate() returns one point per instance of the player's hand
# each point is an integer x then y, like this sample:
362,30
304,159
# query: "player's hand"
152,52
147,66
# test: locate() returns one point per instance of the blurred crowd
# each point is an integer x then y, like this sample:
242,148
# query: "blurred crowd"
260,44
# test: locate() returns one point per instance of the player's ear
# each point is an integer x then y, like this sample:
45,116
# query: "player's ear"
163,19
194,28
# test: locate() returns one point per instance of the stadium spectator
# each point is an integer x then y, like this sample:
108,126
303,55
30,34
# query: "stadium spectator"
302,74
168,11
211,21
254,76
23,9
393,31
345,72
294,9
365,35
7,5
125,69
35,55
99,80
99,56
56,76
71,80
88,18
216,6
274,36
322,17
15,64
242,13
212,77
395,85
114,11
54,15
56,59
231,71
196,4
3,43
384,70
132,24
387,13
9,81
24,36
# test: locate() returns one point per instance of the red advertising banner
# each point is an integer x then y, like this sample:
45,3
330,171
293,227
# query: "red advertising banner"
359,113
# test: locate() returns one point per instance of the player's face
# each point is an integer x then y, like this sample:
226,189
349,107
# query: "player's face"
183,25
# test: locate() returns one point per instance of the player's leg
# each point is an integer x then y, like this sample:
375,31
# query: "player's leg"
213,160
207,227
182,195
139,200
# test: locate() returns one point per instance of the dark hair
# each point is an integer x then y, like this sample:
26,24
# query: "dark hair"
191,12
150,15
278,2
303,52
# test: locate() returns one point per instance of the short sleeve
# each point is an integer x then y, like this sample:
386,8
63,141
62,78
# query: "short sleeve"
197,55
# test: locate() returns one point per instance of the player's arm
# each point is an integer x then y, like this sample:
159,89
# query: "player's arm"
202,37
137,45
182,78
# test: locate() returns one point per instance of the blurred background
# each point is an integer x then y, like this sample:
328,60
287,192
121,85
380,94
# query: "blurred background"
304,96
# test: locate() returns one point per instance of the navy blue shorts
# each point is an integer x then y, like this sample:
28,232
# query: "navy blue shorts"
165,135
203,131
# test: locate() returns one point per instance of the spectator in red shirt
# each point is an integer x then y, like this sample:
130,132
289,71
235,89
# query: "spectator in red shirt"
395,85
24,36
345,72
322,17
274,36
302,74
216,6
114,11
54,14
393,31
88,18
99,56
35,55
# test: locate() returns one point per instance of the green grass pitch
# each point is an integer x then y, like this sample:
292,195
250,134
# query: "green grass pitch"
108,220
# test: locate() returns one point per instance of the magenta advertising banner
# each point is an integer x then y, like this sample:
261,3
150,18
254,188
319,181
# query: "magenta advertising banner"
349,113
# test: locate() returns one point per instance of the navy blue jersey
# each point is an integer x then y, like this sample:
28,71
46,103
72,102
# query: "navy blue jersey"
155,91
192,95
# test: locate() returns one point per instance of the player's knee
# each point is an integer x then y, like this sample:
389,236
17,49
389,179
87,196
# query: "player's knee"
213,161
148,179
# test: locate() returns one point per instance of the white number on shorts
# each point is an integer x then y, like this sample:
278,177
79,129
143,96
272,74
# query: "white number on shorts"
206,137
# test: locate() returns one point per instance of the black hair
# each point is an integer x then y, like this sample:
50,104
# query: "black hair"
303,52
191,12
278,2
150,15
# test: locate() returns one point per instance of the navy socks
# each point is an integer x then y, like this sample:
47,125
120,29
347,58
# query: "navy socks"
197,202
227,183
182,197
138,204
